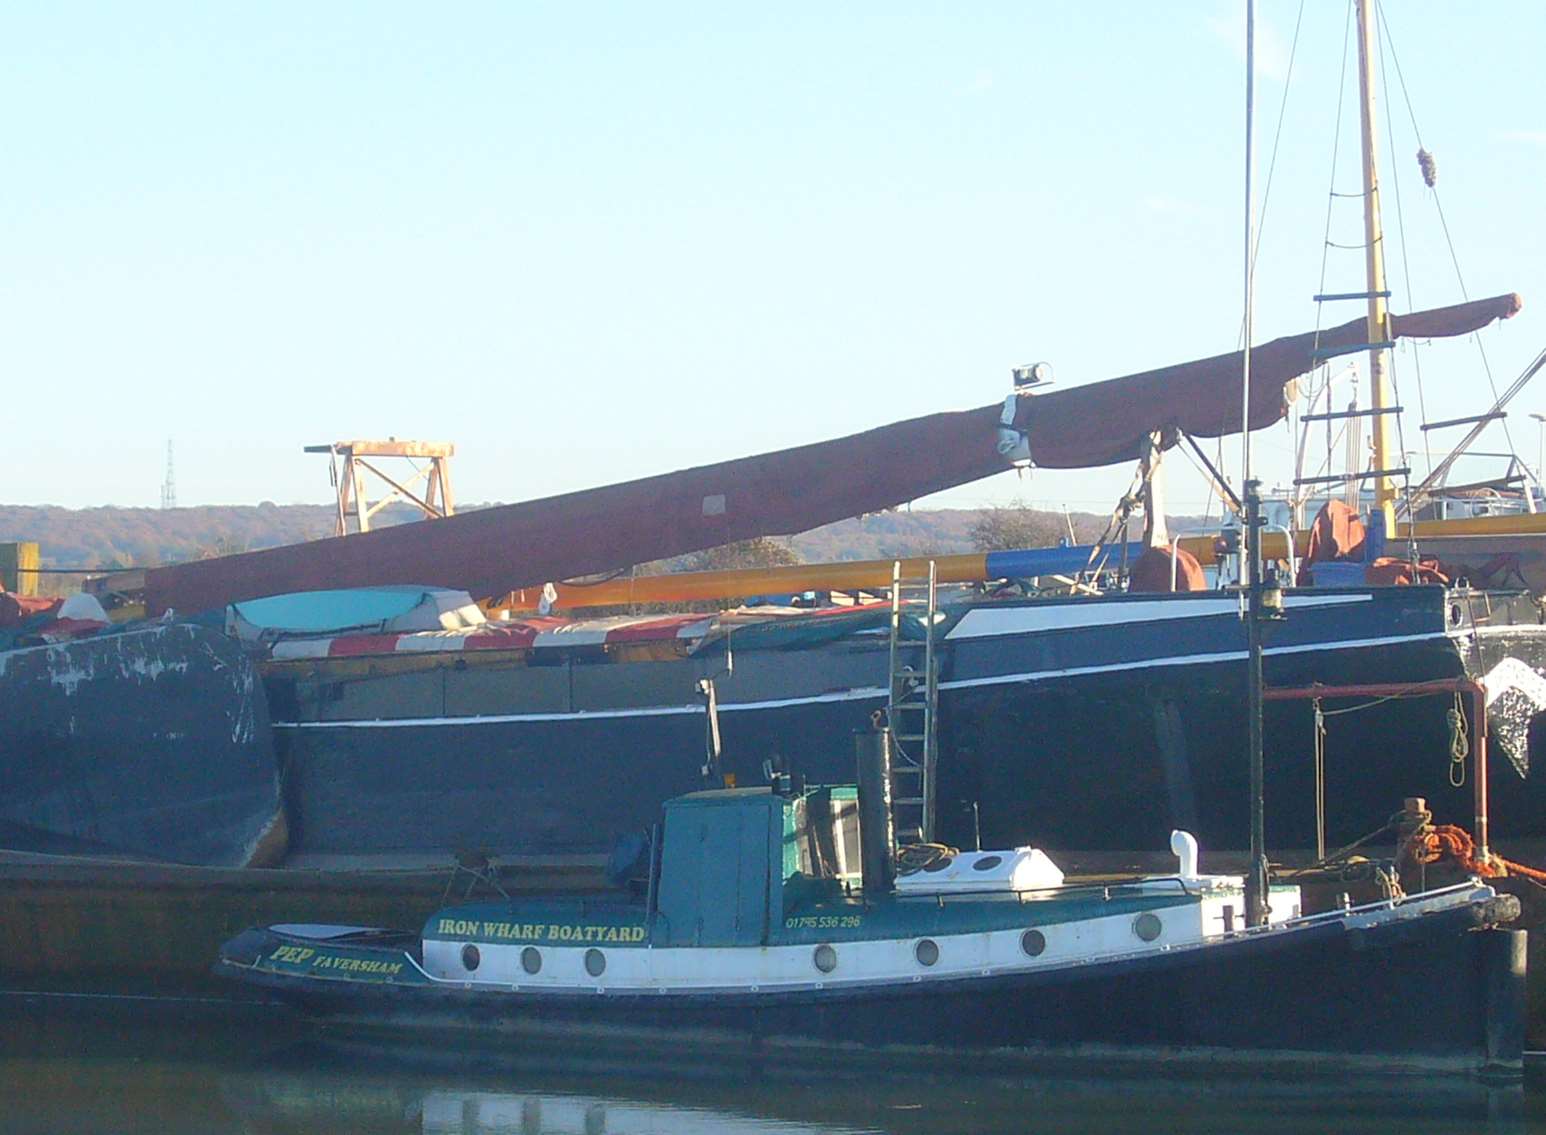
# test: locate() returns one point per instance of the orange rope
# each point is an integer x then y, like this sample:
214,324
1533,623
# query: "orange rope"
1522,870
1456,843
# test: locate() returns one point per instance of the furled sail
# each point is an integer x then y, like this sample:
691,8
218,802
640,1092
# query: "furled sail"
494,550
1105,422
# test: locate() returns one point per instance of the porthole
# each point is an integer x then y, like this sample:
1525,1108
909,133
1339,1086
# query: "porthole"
595,963
926,951
987,862
470,957
1147,926
825,958
1033,942
939,864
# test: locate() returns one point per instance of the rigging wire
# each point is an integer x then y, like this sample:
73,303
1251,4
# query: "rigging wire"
1215,491
1406,264
1439,208
1218,463
1406,269
1326,245
1272,164
1336,143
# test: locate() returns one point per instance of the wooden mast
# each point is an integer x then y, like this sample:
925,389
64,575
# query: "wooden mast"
1383,400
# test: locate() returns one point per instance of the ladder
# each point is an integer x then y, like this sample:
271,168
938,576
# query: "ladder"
912,709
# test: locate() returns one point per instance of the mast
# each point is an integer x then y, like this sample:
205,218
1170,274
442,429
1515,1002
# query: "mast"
1374,258
1257,888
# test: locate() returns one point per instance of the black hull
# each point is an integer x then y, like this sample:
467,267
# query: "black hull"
1099,736
151,743
1432,993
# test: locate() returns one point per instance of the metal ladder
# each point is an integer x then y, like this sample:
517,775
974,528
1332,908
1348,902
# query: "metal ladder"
912,710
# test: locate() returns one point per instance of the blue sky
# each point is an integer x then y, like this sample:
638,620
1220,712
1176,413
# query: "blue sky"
593,242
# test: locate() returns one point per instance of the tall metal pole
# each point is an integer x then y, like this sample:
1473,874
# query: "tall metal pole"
1256,875
1540,449
1374,258
1247,537
1250,525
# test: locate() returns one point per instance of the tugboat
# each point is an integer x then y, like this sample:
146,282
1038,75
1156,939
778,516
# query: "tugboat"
783,914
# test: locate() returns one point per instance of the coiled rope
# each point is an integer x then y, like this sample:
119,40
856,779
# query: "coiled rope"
921,856
1431,844
1459,742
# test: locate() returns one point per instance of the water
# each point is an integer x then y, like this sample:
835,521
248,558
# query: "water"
88,1067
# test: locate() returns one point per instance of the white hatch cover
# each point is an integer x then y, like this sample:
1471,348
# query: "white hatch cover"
1023,869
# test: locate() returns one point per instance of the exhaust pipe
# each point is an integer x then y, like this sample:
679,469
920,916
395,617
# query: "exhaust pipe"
877,830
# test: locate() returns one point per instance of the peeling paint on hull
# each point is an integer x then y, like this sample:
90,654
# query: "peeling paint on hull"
152,743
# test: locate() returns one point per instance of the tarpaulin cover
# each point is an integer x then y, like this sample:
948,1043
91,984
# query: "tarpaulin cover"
373,609
17,609
746,628
494,550
1105,422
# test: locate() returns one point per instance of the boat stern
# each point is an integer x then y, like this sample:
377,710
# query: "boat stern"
298,958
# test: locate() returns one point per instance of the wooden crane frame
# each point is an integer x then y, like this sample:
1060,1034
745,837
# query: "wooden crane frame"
351,464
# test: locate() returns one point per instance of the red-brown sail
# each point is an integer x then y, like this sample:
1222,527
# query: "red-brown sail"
495,550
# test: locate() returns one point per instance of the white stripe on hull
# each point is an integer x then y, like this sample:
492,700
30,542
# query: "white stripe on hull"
985,622
757,968
1182,660
863,693
891,962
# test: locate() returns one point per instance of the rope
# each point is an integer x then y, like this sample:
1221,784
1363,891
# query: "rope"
1336,142
1429,170
1342,853
1119,517
1277,138
1406,273
1521,870
1368,704
1452,841
1459,742
1428,167
608,577
920,856
1215,492
1408,693
1395,383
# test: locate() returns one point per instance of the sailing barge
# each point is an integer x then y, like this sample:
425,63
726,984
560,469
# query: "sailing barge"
549,741
548,736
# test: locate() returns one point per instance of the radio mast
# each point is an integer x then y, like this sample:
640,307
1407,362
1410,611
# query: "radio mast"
169,486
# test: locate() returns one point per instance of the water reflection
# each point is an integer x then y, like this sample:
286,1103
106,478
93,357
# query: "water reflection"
491,1113
90,1068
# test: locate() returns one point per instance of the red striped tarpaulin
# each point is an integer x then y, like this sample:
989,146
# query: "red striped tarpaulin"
536,633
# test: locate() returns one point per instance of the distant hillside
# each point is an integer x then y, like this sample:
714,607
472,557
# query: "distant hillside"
883,535
145,537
